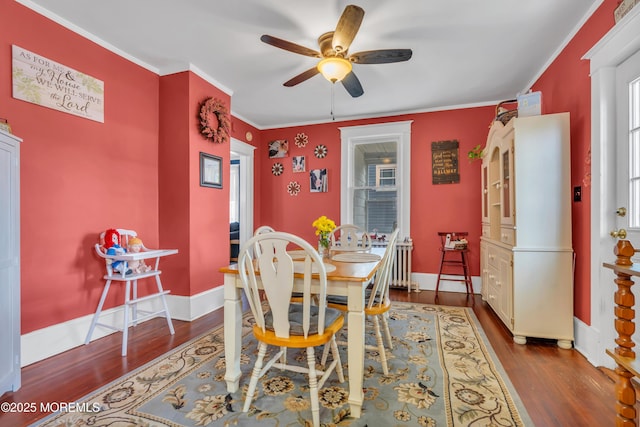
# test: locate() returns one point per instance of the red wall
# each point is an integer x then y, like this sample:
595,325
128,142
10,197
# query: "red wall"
443,207
139,169
78,177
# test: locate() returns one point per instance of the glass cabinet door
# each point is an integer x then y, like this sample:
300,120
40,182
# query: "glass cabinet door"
485,194
507,187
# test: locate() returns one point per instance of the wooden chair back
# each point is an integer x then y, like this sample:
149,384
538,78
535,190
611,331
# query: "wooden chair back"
276,270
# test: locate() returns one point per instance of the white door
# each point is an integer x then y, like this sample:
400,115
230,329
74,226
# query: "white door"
608,58
9,268
628,150
628,159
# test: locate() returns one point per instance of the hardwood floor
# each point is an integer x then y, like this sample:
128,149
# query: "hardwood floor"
558,387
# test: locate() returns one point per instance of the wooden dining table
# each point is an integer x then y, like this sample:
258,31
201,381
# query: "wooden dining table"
344,278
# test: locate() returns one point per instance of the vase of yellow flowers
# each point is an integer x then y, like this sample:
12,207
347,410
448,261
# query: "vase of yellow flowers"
324,226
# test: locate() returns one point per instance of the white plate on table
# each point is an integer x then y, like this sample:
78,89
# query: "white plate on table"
356,257
298,267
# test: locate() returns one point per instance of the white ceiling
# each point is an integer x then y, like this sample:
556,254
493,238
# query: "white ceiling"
465,52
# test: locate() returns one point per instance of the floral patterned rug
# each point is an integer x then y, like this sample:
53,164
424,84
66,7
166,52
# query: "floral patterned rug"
442,373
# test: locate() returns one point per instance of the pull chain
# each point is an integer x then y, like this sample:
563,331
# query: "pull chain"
332,102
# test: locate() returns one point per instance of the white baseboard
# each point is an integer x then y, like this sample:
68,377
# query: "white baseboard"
55,339
428,281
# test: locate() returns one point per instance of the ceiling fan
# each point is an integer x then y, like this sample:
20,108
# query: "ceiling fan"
335,62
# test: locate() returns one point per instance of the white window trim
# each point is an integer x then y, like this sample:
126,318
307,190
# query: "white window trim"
398,132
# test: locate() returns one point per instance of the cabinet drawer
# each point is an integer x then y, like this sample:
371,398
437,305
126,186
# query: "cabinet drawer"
493,255
508,236
486,230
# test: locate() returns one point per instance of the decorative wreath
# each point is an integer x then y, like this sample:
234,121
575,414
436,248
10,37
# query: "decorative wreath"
293,188
320,151
301,140
277,169
214,120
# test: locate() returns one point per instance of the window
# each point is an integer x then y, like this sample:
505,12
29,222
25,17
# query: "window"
385,175
376,169
634,154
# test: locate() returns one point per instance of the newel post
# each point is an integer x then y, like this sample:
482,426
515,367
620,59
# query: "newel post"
624,300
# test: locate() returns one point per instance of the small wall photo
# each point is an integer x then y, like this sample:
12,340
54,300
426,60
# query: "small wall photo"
319,181
298,164
278,148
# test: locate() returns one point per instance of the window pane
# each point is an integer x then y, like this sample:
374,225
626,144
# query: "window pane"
634,154
375,210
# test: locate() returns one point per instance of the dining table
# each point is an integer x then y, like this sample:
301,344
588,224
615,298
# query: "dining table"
347,275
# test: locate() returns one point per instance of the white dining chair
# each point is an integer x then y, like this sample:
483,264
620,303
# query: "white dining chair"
378,303
268,282
349,237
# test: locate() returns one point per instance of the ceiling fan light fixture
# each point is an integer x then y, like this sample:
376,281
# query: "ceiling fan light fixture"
334,69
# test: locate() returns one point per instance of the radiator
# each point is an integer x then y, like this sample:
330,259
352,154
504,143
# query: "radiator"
401,271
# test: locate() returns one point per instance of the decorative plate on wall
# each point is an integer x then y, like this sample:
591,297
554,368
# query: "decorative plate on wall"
320,151
293,188
277,169
301,140
214,120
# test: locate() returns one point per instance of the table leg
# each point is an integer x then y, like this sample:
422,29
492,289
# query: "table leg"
232,331
355,337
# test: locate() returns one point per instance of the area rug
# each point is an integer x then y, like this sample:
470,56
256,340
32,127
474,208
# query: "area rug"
442,372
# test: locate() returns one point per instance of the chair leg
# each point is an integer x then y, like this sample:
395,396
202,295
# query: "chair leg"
440,272
96,316
381,350
255,376
467,276
125,326
387,332
336,356
283,358
325,353
313,387
164,304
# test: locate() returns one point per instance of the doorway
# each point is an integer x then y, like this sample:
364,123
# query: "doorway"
243,154
608,64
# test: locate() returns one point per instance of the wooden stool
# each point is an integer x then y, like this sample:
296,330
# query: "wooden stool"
454,261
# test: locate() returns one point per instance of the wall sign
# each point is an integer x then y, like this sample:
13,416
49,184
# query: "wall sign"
44,82
444,162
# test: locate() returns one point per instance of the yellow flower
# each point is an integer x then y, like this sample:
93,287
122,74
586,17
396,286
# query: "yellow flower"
324,226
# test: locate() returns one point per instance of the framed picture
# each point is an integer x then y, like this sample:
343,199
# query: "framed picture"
278,148
298,164
318,181
5,126
210,171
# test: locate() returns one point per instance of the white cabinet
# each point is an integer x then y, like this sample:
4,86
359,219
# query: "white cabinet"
526,249
9,262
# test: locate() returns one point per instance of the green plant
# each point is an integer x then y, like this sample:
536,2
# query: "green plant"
475,153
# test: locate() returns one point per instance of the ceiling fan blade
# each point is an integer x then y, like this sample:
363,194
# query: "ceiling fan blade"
291,47
302,77
382,56
352,85
347,28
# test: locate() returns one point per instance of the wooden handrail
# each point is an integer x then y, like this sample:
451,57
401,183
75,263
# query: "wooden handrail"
623,354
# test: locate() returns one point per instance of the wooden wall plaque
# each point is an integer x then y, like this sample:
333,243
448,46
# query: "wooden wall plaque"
444,162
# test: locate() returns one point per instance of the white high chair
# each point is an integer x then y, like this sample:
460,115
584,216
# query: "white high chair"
132,315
